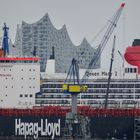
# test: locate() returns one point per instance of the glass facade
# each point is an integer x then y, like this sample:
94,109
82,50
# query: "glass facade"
42,35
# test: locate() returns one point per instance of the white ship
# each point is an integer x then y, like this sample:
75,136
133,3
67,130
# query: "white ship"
124,88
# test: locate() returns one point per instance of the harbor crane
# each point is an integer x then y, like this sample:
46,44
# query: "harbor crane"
73,85
5,47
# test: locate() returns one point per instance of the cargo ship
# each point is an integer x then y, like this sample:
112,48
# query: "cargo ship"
33,105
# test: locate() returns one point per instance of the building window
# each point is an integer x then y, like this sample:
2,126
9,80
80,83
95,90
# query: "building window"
135,70
31,95
26,95
20,95
131,70
126,70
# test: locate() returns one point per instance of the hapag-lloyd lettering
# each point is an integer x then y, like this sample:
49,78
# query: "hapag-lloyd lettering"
34,128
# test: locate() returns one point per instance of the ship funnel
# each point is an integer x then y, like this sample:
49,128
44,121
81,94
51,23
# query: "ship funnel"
50,66
132,54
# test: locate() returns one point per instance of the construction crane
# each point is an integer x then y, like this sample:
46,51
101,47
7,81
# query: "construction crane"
81,87
109,31
75,125
74,86
5,45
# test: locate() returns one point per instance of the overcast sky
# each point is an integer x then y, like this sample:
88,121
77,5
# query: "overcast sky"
83,18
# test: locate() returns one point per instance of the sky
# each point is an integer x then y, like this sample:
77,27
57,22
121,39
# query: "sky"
83,19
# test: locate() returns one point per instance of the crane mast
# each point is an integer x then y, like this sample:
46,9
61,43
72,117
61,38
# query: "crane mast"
110,72
5,46
73,86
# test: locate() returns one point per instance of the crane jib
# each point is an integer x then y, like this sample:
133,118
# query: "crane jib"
108,33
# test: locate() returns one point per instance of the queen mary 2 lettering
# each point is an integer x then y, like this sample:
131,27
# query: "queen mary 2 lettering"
44,128
97,73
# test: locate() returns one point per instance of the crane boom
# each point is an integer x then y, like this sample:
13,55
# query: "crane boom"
109,31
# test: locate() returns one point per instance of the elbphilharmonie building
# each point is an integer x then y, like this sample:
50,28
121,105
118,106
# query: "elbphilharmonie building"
43,36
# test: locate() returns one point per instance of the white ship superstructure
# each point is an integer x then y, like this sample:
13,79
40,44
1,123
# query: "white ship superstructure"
124,88
19,81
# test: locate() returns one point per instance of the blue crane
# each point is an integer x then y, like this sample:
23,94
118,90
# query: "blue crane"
104,40
74,86
5,46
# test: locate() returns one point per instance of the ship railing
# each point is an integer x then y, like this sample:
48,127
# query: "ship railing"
61,111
